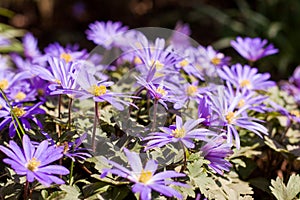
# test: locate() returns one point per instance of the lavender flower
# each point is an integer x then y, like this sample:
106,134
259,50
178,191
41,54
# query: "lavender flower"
179,132
72,149
253,49
26,114
215,151
180,37
34,161
145,180
230,115
30,46
104,34
245,77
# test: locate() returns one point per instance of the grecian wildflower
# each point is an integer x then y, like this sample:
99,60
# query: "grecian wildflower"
23,91
25,114
216,151
246,77
34,162
292,87
180,39
230,116
59,74
180,132
146,179
253,49
105,33
89,87
30,45
9,78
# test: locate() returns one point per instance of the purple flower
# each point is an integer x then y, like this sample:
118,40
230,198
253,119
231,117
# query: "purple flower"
4,41
183,133
9,78
89,87
145,179
230,115
215,151
105,34
34,161
25,114
30,46
73,149
253,49
180,37
245,77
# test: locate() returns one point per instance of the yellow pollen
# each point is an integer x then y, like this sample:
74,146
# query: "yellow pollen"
245,83
241,103
145,176
191,90
20,96
98,90
215,61
18,112
137,60
184,63
230,117
66,147
296,113
58,81
161,91
41,92
179,133
33,164
157,64
3,84
1,106
66,56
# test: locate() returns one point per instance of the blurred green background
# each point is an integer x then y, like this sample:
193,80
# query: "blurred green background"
213,22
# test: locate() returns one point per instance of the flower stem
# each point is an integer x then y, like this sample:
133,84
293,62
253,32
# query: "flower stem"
71,173
26,189
154,114
59,111
96,118
69,112
184,157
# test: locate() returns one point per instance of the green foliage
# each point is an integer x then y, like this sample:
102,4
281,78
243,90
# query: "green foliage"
286,192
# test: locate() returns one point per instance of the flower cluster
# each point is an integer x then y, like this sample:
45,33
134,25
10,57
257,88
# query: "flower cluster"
213,108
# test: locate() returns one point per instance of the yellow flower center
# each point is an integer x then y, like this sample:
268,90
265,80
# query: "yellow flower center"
145,176
191,90
66,56
156,64
215,61
33,164
183,63
18,112
1,106
161,91
230,117
41,92
58,81
98,90
20,96
179,133
245,83
137,60
241,103
4,84
296,113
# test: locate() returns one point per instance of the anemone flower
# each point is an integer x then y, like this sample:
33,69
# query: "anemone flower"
245,77
34,161
180,132
216,151
145,179
25,114
253,49
30,46
104,33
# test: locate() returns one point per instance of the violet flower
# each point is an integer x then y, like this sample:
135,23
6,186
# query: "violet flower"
25,114
246,77
216,151
104,33
180,132
144,178
34,161
253,49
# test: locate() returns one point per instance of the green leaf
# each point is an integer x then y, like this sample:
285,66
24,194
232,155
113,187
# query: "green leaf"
71,192
278,189
293,186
